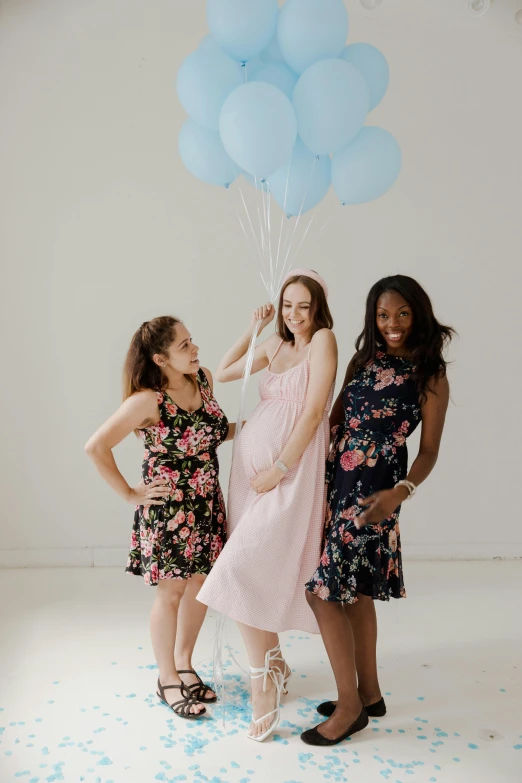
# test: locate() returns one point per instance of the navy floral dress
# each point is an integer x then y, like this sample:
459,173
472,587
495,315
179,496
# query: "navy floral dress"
369,453
186,535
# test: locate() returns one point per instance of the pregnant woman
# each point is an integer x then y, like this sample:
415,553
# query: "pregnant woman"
396,380
179,523
277,497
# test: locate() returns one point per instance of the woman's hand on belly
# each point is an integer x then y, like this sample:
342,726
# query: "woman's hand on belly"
266,480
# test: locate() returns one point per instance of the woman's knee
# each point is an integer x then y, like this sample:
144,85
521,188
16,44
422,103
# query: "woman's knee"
320,606
171,591
314,602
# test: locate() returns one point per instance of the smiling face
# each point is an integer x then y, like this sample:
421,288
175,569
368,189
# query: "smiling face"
296,309
182,355
394,321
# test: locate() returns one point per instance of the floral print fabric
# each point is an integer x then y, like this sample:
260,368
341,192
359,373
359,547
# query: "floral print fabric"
368,454
186,535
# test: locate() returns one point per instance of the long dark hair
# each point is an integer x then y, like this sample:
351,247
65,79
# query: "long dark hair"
427,340
140,371
320,314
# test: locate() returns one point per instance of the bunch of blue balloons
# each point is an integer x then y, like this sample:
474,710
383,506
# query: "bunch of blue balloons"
276,95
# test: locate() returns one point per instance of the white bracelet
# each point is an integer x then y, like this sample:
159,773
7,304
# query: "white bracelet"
410,486
281,465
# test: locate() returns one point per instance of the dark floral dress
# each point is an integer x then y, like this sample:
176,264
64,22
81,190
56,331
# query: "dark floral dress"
369,453
186,535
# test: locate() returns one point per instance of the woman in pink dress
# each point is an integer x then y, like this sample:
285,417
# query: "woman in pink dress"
277,490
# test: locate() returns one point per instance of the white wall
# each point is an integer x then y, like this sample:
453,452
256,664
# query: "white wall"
101,228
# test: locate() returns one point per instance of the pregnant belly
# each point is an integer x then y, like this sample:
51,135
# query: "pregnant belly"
265,434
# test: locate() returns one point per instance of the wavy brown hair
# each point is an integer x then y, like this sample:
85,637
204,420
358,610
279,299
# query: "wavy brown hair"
140,371
320,314
427,340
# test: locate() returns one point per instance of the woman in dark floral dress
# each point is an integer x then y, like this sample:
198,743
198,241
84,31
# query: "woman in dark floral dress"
179,523
396,380
185,535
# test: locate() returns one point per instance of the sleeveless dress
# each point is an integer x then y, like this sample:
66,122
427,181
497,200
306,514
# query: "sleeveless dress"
274,539
369,453
186,535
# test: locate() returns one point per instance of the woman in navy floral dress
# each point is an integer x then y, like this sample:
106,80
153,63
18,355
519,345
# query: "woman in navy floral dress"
369,454
179,522
396,380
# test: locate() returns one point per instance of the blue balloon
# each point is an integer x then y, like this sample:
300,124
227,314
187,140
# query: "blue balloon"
249,68
209,44
277,74
308,178
331,102
203,154
242,27
205,79
258,128
311,30
367,167
373,66
272,53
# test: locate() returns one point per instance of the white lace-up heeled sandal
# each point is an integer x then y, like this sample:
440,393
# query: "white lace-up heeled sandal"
277,655
277,678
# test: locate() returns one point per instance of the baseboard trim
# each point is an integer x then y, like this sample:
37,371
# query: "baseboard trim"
462,551
85,557
115,557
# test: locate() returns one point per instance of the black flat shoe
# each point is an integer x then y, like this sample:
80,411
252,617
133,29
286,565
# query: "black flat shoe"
314,737
375,710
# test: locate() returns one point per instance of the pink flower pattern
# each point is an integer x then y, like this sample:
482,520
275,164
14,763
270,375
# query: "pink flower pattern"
187,534
381,410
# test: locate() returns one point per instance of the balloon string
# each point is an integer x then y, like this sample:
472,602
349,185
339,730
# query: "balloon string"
303,237
283,215
334,213
289,244
246,237
249,219
246,375
262,219
303,200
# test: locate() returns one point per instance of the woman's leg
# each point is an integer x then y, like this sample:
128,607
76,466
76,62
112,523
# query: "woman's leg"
191,614
363,620
339,642
258,643
163,627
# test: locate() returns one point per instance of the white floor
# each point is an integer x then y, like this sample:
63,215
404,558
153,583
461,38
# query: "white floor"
77,680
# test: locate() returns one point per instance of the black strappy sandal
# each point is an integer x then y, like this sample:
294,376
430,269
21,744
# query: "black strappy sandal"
198,689
182,707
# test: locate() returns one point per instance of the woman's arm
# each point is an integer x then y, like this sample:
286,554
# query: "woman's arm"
139,410
379,506
232,365
337,412
323,366
433,418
